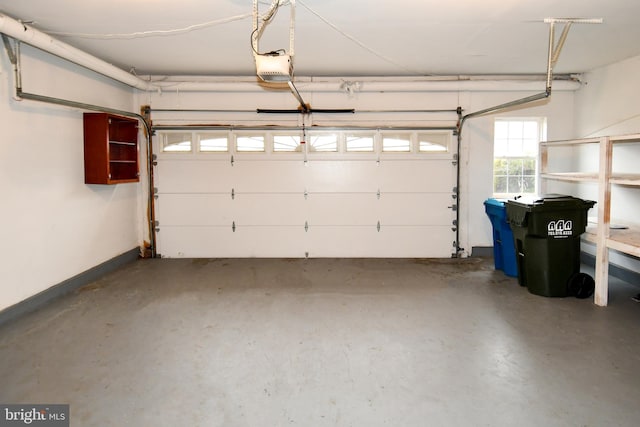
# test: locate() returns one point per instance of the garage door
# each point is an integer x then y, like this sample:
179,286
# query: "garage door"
280,193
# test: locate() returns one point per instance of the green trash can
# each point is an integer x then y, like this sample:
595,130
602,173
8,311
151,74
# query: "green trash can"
546,233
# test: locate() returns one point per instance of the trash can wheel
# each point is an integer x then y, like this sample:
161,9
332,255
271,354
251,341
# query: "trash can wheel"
581,285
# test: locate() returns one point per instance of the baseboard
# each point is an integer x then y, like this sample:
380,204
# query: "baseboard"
40,299
621,273
482,251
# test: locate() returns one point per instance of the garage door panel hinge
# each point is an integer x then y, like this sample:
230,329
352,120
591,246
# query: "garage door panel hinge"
453,207
378,226
306,226
232,161
378,194
306,194
155,193
156,225
455,159
154,160
233,226
233,194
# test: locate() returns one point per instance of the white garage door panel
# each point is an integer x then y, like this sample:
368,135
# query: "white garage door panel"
268,176
192,242
267,242
269,209
270,196
389,242
180,176
342,209
341,176
222,242
194,209
416,176
416,242
416,209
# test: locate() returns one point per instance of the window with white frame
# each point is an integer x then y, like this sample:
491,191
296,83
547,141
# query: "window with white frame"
396,142
283,143
359,142
176,142
214,142
250,143
515,155
323,141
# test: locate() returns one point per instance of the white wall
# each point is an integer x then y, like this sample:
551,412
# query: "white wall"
477,145
608,104
53,225
478,149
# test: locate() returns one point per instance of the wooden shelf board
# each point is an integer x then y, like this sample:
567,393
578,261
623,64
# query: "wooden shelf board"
561,143
625,179
571,176
631,138
626,241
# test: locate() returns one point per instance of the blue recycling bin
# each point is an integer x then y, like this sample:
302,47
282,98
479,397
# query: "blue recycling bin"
504,252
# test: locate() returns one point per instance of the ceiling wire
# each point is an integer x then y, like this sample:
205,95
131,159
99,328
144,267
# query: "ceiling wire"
154,33
358,42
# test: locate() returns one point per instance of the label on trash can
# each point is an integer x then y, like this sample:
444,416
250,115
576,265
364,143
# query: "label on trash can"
560,229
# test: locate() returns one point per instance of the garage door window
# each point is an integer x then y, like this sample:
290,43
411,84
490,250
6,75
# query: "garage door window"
397,143
176,142
286,143
325,142
359,142
433,142
216,143
250,143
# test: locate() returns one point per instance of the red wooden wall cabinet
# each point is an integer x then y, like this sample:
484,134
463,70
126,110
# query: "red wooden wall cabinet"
110,149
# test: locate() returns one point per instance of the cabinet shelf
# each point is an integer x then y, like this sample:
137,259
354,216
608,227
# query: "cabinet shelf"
605,237
110,149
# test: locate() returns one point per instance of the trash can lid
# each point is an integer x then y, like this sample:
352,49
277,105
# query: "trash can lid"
495,202
553,201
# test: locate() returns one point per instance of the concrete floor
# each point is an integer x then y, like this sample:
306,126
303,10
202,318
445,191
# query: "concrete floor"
325,342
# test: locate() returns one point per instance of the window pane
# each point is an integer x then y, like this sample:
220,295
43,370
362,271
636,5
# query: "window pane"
249,143
396,143
323,142
515,166
214,143
500,184
529,167
286,143
530,147
433,142
530,130
500,167
515,129
514,184
359,143
501,129
529,184
176,142
500,147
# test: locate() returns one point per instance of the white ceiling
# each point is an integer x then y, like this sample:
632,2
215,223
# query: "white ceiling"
342,37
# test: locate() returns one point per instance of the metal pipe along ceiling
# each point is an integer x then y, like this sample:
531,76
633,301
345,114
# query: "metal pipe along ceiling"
33,37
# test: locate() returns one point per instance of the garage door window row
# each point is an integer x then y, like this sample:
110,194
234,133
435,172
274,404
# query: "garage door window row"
373,141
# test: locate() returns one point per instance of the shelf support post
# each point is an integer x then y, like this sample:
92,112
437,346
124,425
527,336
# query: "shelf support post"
604,223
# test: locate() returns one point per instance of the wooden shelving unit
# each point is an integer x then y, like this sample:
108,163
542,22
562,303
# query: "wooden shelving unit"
110,149
623,240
